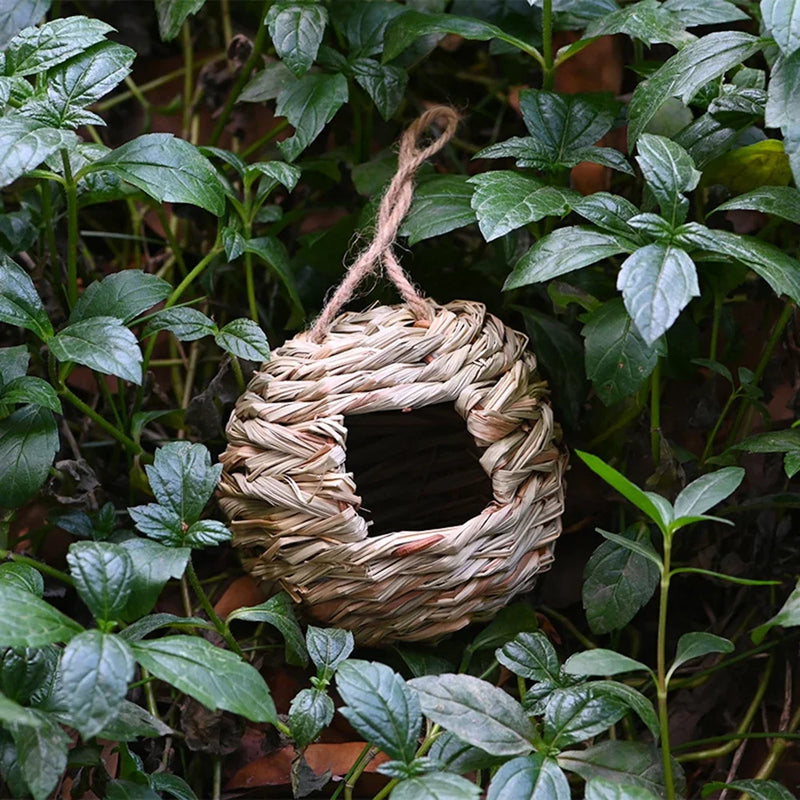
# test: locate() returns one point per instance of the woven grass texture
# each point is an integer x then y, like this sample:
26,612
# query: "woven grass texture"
401,478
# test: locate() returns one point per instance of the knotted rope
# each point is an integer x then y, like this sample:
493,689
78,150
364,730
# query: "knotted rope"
393,209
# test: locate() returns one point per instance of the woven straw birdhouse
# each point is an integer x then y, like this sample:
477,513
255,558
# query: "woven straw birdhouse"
397,470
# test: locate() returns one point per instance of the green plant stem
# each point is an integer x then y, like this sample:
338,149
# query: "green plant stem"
243,76
227,26
216,791
124,440
548,71
265,139
71,193
188,82
778,748
426,745
739,737
250,286
193,274
222,629
49,225
717,424
37,565
237,372
356,771
655,414
150,695
662,683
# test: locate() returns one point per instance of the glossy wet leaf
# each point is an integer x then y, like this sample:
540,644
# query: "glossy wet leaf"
384,83
698,644
187,324
243,338
707,491
172,14
103,575
604,789
648,21
41,754
21,14
788,616
441,204
531,777
780,201
782,109
30,389
22,576
31,621
19,301
311,710
124,295
436,786
531,656
458,756
756,789
782,19
600,661
296,29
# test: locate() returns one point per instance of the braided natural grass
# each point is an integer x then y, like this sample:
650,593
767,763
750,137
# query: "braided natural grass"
295,508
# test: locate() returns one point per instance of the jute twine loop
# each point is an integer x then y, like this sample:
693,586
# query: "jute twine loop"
393,209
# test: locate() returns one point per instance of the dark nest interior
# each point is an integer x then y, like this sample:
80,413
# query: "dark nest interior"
415,470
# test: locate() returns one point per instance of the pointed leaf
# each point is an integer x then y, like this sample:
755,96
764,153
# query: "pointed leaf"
441,204
633,699
245,339
172,14
436,786
782,108
532,777
788,616
297,29
187,324
20,15
30,621
311,710
754,788
780,201
124,295
709,490
604,789
23,577
608,211
103,575
602,662
29,389
328,647
20,303
578,713
696,645
531,656
711,12
267,84
647,21
782,19
41,754
643,548
385,84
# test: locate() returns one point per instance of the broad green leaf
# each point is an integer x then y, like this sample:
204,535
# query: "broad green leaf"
124,295
28,444
531,777
782,107
608,211
328,647
709,12
274,254
563,251
309,104
753,788
129,790
297,29
207,533
380,706
602,662
456,755
477,712
19,301
278,612
186,323
26,674
504,201
276,171
214,677
436,786
618,360
441,204
267,84
41,754
30,389
707,491
745,168
531,656
97,668
153,622
30,621
669,172
172,14
657,282
578,713
18,15
24,577
686,73
103,575
782,19
788,616
643,548
35,50
617,582
363,24
132,722
628,490
384,83
243,338
101,343
648,20
12,713
780,201
633,699
13,360
698,644
159,523
171,785
771,442
311,710
167,169
654,226
604,789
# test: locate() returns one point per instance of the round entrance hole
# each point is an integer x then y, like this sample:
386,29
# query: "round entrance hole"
415,470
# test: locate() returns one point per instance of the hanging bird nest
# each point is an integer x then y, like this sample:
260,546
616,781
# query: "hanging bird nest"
397,470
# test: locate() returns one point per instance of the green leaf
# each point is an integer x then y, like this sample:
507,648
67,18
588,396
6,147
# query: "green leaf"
710,12
35,50
647,20
531,777
457,756
153,622
12,713
565,250
628,490
297,29
617,582
124,295
133,722
707,491
608,211
30,621
207,533
475,711
654,226
754,788
385,84
782,19
780,201
311,710
97,668
633,699
214,677
328,647
19,301
273,253
129,790
186,323
698,644
441,204
159,523
771,442
686,73
604,789
28,443
602,662
19,15
183,479
578,713
363,24
172,14
309,104
13,360
172,785
782,107
103,575
504,201
23,577
657,282
276,171
788,616
436,786
267,84
29,389
41,754
101,343
243,338
643,548
277,611
618,360
531,656
669,172
167,169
